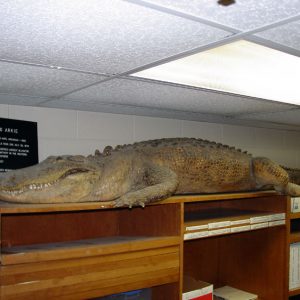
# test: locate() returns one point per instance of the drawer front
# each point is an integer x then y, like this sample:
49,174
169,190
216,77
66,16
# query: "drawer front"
88,277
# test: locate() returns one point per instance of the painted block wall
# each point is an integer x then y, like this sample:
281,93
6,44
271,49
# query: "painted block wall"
78,132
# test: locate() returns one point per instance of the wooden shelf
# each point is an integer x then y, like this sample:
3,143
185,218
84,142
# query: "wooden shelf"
83,248
13,208
294,237
293,224
91,276
295,215
237,260
294,292
243,260
219,221
218,197
82,254
88,250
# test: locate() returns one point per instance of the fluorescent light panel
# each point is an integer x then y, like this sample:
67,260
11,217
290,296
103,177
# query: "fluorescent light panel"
241,67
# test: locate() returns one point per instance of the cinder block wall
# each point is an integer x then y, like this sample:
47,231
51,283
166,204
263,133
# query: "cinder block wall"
77,132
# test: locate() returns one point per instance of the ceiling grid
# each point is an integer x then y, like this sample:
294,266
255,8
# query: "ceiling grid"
80,55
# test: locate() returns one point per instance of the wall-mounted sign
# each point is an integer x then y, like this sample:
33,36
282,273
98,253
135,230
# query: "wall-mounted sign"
18,144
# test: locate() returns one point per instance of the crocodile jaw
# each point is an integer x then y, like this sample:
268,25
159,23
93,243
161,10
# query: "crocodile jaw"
52,181
70,189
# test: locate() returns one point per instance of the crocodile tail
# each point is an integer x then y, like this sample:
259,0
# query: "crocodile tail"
294,174
267,172
293,189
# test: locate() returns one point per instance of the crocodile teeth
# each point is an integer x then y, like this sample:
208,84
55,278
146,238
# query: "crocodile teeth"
39,186
16,192
32,187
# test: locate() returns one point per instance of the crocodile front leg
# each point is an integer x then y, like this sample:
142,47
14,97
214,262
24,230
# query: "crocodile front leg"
160,183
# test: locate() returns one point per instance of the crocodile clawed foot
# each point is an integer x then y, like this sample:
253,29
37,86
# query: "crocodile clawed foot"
126,202
119,203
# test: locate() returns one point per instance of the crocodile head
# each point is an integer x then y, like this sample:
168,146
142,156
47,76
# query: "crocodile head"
57,179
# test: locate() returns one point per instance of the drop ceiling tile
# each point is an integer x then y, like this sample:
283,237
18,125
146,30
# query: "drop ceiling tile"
243,14
99,107
21,100
28,80
163,96
133,110
108,36
287,35
289,117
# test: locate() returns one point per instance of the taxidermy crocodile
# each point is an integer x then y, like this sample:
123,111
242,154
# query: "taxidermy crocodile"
294,175
144,172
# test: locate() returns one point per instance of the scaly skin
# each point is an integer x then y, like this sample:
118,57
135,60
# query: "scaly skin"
144,172
294,175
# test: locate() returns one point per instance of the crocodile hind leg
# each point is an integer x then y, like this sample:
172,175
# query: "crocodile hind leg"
160,183
267,173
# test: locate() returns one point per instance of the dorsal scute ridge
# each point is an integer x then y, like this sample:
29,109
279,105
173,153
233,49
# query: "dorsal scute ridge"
173,142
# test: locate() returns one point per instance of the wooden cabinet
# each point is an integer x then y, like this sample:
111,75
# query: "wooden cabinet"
254,260
293,225
80,252
84,251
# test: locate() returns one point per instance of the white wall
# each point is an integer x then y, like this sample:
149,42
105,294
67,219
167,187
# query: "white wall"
76,132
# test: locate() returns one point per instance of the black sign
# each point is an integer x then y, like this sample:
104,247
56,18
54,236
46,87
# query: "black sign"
18,144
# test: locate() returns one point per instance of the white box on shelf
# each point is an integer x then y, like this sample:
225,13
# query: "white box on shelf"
230,293
196,289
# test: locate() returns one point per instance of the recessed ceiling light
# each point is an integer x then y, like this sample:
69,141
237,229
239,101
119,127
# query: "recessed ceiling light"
241,67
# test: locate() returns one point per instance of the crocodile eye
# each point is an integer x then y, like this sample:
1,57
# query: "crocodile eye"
59,158
75,172
77,158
